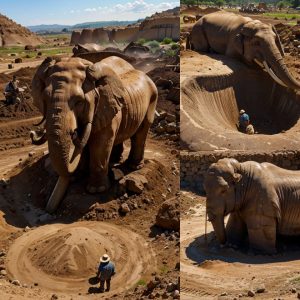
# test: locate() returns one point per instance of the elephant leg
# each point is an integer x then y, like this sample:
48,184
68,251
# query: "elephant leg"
136,155
100,146
135,159
236,229
262,235
116,153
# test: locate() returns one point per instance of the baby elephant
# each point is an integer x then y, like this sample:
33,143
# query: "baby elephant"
263,200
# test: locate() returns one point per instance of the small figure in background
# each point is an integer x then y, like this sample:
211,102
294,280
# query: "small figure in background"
12,91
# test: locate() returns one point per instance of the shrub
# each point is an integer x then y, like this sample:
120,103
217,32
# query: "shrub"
174,46
141,41
167,41
153,44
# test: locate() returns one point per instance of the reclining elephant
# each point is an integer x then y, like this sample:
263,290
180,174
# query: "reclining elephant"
99,105
189,19
263,200
242,38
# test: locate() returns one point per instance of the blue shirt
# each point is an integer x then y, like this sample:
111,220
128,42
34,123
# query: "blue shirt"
244,120
106,270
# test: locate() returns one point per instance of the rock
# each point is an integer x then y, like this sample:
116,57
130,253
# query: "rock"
117,174
171,127
31,153
10,66
18,60
151,285
165,295
293,290
45,217
16,282
176,294
3,272
261,289
26,229
251,293
170,118
54,297
2,253
136,182
168,216
2,267
124,208
171,287
224,294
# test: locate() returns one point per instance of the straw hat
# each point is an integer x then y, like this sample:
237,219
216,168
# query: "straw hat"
242,111
104,258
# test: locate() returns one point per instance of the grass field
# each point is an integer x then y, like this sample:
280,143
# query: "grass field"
282,15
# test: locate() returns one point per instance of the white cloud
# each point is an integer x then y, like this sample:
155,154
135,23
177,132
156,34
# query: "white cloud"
136,7
90,9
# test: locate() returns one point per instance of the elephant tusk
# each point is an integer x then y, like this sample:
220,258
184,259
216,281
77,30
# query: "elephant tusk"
157,113
259,63
273,75
41,122
57,194
35,140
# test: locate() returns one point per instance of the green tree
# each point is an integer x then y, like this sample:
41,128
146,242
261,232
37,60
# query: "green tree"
296,3
220,3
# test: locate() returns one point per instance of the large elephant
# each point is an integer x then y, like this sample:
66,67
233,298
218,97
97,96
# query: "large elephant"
99,105
263,200
243,38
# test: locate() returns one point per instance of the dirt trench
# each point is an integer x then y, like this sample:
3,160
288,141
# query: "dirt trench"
213,95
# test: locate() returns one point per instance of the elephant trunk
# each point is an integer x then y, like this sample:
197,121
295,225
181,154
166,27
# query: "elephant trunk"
275,60
64,153
219,228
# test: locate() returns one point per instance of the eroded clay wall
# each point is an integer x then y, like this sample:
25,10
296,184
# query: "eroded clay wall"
86,36
127,34
100,36
193,165
75,37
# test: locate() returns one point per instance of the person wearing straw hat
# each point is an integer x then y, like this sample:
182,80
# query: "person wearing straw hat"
105,271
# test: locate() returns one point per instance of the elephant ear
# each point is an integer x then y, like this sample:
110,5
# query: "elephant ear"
277,41
111,93
102,75
38,84
250,28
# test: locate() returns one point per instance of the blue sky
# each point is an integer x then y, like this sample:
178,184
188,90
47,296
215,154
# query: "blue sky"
69,12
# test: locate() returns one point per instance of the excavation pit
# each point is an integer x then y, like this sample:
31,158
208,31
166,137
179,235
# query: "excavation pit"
62,258
213,90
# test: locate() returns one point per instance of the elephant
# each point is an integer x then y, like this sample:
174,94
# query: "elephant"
261,199
243,38
189,19
85,48
96,106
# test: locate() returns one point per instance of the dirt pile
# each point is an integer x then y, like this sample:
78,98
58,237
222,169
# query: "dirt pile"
12,33
290,38
74,256
168,216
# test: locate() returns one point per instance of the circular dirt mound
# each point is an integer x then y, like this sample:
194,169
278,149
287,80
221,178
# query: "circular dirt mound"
63,257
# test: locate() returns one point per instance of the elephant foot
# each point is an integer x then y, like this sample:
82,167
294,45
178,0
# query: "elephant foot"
134,166
93,188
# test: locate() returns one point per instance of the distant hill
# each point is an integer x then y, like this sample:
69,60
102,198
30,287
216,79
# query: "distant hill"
12,33
40,29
